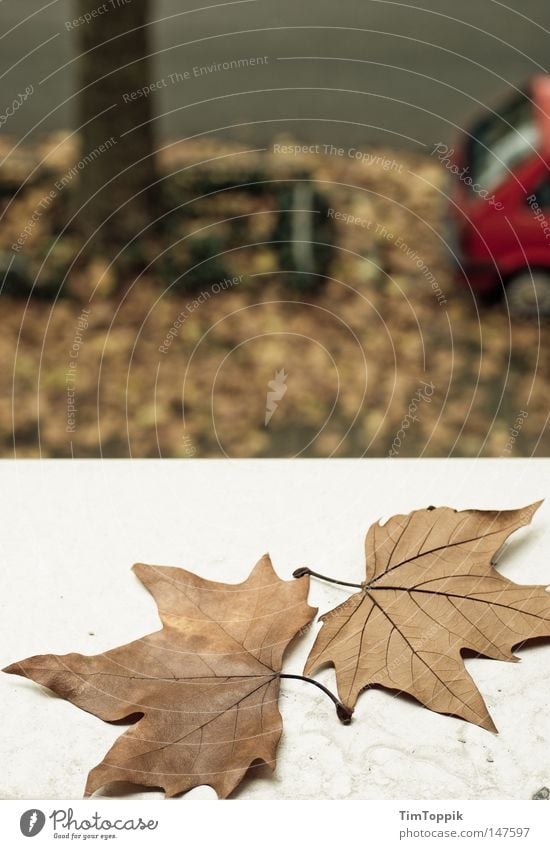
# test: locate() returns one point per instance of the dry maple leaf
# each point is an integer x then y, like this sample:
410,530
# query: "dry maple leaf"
431,591
206,685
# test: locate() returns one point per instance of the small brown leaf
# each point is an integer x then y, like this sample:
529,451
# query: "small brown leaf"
431,591
206,685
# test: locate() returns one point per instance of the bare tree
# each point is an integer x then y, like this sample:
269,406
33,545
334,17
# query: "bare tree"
114,71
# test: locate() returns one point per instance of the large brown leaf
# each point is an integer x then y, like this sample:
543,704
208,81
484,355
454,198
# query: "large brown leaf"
431,591
207,684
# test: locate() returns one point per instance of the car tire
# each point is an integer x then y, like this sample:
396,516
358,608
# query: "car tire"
528,294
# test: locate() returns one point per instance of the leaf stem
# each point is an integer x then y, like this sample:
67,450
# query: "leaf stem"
303,570
343,713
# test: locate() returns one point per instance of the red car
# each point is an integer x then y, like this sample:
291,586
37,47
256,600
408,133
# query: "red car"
501,199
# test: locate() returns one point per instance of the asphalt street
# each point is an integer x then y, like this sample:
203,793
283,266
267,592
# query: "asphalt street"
352,72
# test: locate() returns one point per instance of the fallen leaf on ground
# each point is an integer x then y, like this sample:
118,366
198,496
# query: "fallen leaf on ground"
206,685
431,591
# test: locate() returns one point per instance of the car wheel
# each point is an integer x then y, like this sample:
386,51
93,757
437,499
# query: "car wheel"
528,294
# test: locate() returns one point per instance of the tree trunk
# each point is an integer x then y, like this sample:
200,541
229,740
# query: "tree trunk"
115,170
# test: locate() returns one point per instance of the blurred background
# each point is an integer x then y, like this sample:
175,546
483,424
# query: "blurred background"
261,228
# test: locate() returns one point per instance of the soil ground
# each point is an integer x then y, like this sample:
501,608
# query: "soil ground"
382,345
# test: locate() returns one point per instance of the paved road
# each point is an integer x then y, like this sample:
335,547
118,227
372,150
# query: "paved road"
368,70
